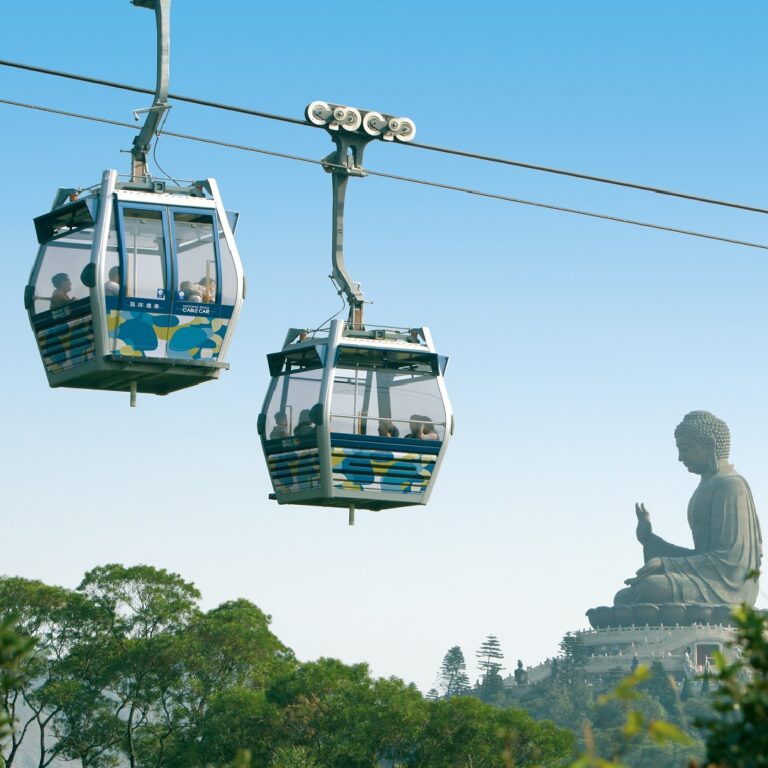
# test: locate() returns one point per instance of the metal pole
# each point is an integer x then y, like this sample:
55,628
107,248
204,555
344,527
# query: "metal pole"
143,142
344,166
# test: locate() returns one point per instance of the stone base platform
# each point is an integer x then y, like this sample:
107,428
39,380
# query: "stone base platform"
665,614
684,651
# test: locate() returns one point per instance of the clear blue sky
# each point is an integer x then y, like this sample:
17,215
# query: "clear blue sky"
576,345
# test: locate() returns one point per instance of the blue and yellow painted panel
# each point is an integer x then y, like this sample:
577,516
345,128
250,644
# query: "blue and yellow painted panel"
381,471
160,335
296,470
65,337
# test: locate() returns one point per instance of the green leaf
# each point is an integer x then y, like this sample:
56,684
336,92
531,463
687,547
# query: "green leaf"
662,732
634,724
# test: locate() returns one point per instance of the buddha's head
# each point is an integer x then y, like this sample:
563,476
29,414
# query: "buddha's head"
702,439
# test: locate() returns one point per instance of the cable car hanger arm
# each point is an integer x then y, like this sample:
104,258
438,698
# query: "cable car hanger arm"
351,129
143,142
346,161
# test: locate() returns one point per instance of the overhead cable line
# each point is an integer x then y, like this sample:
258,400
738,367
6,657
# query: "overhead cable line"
418,145
150,91
396,177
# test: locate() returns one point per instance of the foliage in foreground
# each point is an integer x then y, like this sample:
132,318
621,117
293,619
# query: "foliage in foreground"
14,651
128,670
738,736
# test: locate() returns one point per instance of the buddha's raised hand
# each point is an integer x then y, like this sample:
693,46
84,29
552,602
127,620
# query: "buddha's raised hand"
644,529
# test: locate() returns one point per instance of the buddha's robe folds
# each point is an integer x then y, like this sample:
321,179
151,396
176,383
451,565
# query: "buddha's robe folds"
727,546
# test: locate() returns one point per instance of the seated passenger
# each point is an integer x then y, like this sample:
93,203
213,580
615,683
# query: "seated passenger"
206,286
422,428
305,425
388,429
112,286
428,431
60,297
316,414
190,292
280,429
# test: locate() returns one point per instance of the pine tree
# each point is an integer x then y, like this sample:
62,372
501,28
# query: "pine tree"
685,694
705,682
573,659
453,673
489,657
662,687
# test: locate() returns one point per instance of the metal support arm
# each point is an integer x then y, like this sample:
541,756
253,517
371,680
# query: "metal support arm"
351,129
346,161
143,142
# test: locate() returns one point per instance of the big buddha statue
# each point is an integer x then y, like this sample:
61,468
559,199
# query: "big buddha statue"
721,570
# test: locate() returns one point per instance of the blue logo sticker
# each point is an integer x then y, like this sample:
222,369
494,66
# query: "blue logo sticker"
161,293
180,295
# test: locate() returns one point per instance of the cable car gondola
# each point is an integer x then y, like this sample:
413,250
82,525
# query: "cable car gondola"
137,284
356,417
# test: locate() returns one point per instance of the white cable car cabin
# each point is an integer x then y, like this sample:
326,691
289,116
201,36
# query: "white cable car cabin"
358,419
137,286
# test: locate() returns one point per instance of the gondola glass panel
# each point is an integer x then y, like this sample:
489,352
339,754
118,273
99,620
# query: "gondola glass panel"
289,434
140,320
61,261
105,296
386,399
197,277
229,283
294,392
59,302
367,430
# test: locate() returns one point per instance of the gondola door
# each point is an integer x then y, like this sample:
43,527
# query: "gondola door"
168,295
198,329
138,292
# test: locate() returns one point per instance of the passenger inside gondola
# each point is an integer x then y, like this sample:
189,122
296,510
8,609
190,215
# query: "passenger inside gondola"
112,286
428,431
388,429
305,425
62,285
207,289
190,292
280,430
422,428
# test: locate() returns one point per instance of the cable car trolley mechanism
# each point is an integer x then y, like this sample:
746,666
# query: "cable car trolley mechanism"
355,416
137,284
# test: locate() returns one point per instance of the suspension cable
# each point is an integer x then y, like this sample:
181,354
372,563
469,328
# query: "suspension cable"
396,177
417,145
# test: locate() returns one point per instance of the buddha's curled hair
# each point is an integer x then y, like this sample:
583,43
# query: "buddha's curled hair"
702,425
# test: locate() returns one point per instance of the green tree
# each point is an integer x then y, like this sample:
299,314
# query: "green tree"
15,649
453,673
661,686
228,656
737,734
293,757
572,660
464,732
235,718
55,618
346,719
489,658
632,730
141,610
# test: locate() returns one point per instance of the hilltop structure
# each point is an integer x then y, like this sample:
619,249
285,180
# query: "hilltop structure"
677,608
